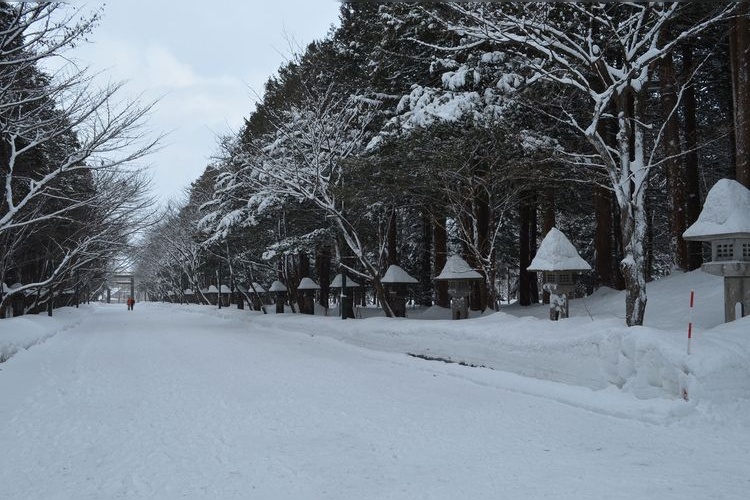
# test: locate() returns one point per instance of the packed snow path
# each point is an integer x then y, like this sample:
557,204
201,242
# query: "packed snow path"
168,402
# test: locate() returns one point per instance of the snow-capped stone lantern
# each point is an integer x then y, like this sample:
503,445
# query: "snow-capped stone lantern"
459,276
225,295
353,293
279,290
212,294
307,287
396,282
257,294
558,261
725,223
336,283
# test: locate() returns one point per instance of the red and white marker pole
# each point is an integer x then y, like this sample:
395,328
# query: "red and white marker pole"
690,320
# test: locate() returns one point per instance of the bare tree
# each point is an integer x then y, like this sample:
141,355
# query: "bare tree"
66,149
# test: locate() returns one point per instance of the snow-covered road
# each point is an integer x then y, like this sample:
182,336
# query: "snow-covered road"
164,403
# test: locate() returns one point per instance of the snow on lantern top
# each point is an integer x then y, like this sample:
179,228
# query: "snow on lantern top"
557,253
225,289
277,286
212,289
457,268
725,214
307,284
336,283
396,274
258,287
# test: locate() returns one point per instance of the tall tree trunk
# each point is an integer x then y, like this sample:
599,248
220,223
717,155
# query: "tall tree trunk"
675,176
739,50
603,239
548,222
692,175
391,239
632,201
548,210
440,238
533,236
482,240
527,212
323,268
425,268
634,225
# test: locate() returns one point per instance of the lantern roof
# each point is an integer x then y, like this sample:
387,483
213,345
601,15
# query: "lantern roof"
336,283
725,213
457,268
212,289
277,286
307,284
557,253
395,274
258,287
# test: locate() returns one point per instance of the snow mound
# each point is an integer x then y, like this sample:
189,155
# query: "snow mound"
23,332
724,213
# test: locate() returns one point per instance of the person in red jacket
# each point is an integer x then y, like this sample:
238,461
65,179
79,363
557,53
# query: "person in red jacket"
131,302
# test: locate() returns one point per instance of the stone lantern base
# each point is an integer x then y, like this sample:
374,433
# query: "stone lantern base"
280,300
459,307
736,291
736,286
559,307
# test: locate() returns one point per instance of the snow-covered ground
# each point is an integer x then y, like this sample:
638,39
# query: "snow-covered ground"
174,401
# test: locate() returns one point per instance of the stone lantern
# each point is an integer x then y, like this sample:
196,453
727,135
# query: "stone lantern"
396,282
459,276
307,287
725,223
258,295
558,261
279,290
225,294
350,284
212,294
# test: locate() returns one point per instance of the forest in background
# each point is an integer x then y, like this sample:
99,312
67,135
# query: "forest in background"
416,131
410,133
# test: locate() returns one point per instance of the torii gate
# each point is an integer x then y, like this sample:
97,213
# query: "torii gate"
122,279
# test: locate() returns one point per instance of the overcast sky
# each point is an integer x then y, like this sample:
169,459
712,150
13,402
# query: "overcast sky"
205,61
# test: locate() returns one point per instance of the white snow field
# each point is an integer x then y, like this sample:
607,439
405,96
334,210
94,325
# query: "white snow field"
173,402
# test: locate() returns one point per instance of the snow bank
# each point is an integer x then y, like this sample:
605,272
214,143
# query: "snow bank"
593,349
23,332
